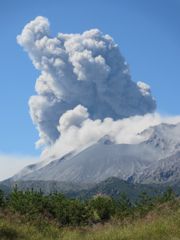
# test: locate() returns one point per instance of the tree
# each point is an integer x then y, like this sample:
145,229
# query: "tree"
68,211
29,203
2,198
103,207
168,195
145,203
124,206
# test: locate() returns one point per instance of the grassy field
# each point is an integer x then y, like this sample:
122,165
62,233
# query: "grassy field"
163,223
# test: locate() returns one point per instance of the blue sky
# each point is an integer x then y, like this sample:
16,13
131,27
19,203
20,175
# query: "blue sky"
146,31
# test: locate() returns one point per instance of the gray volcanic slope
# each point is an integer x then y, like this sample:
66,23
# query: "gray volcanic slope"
97,163
163,171
138,162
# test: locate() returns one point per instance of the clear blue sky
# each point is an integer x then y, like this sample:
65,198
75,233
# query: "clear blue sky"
147,32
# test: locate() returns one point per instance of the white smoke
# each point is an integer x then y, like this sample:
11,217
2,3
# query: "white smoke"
78,131
79,69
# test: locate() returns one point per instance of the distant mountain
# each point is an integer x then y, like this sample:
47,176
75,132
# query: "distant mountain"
96,163
113,187
155,160
163,171
45,186
165,138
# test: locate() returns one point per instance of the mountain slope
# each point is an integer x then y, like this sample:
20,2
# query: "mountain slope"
114,187
97,163
164,171
165,138
146,162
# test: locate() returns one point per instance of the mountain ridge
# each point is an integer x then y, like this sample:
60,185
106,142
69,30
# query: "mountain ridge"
146,162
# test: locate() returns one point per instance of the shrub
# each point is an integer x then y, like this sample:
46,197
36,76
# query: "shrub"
144,204
168,195
29,203
68,211
103,207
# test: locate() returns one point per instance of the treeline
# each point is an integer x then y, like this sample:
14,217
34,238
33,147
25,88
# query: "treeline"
35,206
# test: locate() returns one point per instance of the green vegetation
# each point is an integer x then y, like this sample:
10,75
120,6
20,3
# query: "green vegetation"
30,215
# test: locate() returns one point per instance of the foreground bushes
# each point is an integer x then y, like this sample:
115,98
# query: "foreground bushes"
103,207
68,211
162,223
73,212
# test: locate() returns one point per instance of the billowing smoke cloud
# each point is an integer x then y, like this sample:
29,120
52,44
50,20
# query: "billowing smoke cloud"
84,88
79,131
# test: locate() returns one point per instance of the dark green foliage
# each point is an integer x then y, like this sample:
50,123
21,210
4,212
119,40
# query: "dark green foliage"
123,206
68,211
103,207
144,204
39,208
29,203
169,195
35,205
2,200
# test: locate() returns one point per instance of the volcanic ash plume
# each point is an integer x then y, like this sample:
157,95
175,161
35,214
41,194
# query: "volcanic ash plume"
84,81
